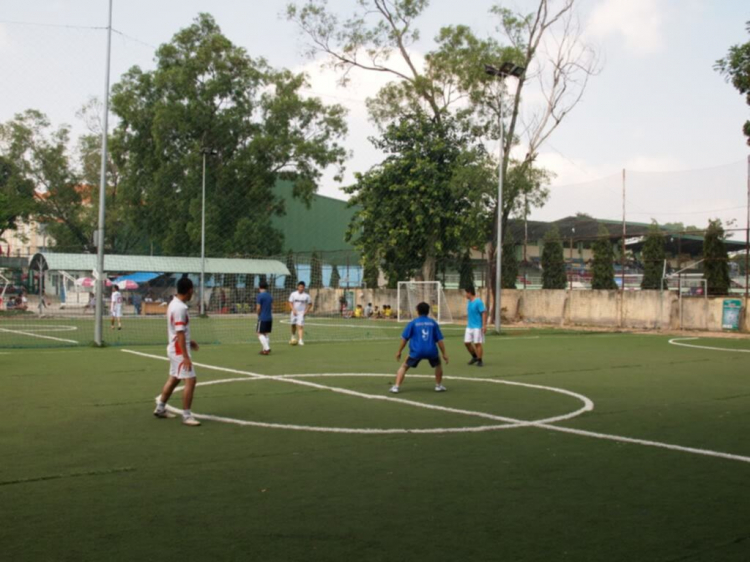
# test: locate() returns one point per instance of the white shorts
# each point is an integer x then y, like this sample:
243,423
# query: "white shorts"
117,312
297,319
175,369
474,335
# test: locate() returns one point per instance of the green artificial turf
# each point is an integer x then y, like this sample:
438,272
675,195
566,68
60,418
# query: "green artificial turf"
87,473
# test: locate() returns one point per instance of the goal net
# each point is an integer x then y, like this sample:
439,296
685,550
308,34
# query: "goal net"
411,293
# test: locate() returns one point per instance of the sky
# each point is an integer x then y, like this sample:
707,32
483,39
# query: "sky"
657,109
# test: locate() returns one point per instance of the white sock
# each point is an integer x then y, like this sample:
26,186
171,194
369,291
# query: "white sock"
160,405
186,413
267,343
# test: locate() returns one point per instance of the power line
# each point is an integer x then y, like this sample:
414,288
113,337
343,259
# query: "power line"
58,25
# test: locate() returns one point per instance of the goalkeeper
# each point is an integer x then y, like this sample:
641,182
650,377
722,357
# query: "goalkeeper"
424,337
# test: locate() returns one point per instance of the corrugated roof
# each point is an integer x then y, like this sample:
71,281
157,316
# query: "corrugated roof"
167,264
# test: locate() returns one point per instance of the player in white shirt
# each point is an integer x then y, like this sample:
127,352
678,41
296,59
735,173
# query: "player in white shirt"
299,305
115,307
178,351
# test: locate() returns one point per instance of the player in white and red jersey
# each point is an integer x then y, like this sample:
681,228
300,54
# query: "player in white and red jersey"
115,307
178,351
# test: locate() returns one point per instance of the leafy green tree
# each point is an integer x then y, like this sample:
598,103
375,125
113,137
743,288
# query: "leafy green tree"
603,268
207,94
41,155
510,263
466,271
653,258
452,80
316,271
290,282
736,68
716,259
335,281
17,201
425,202
371,271
553,262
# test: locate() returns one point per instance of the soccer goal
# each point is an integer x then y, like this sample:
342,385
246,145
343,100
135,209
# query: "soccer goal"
411,293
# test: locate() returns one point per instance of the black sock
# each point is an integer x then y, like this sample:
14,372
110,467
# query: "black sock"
474,355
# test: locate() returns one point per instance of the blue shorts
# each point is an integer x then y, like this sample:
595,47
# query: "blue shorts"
414,361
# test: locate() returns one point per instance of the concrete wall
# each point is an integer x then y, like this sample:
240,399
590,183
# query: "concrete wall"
645,310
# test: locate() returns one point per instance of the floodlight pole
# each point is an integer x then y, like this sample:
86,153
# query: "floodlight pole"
203,238
747,235
499,247
98,324
507,69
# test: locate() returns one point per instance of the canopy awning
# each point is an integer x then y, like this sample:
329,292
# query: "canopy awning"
142,277
125,264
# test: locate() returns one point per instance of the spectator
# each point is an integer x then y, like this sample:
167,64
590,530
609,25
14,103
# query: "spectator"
368,310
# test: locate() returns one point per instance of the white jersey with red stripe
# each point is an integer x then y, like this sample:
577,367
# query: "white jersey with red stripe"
177,321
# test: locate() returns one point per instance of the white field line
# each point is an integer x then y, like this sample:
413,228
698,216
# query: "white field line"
588,405
542,424
386,325
37,335
676,341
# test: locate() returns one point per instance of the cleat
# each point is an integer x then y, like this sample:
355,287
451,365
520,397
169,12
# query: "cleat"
394,389
473,360
480,363
293,341
440,388
264,352
164,414
190,421
301,342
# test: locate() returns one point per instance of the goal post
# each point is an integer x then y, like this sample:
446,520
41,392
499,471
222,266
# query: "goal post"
411,293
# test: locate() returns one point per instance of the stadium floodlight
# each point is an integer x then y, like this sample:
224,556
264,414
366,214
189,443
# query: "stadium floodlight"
205,152
501,73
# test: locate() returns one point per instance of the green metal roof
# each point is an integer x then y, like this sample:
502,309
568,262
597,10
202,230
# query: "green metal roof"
166,264
320,227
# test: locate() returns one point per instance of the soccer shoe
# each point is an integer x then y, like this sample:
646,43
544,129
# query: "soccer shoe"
264,352
473,360
164,414
394,389
293,341
480,363
301,342
190,420
440,388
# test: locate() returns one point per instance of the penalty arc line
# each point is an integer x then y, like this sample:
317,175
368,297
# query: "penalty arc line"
520,423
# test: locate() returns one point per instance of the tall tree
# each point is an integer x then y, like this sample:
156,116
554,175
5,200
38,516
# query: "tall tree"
603,268
653,258
371,271
378,37
425,202
716,259
42,156
316,271
290,282
553,262
736,68
207,94
17,199
335,278
466,271
510,263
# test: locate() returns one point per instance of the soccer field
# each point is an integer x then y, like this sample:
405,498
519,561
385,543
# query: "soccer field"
565,446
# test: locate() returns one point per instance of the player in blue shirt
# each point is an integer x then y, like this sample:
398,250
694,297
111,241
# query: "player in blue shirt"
476,327
424,337
263,307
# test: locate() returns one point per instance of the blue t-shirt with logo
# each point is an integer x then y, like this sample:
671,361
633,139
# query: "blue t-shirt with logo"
474,310
265,301
422,333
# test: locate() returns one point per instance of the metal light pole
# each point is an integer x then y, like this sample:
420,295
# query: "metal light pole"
505,70
99,271
205,152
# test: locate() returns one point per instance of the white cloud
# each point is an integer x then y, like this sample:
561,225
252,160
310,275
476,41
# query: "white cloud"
637,22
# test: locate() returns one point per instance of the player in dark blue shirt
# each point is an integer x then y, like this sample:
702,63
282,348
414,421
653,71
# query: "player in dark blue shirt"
424,337
263,308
